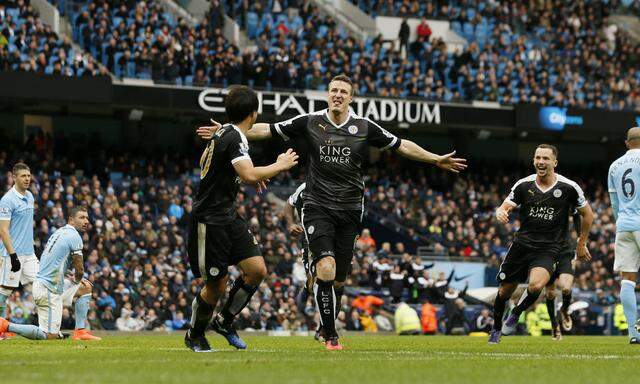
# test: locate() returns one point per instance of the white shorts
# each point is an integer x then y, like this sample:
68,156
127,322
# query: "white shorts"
29,265
627,252
50,305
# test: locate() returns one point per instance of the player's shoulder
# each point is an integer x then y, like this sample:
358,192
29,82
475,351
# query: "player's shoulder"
562,180
525,181
231,133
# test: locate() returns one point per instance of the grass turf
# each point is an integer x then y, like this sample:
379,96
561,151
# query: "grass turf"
366,359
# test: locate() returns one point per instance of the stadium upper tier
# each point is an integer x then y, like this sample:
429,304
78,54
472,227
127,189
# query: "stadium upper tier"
567,55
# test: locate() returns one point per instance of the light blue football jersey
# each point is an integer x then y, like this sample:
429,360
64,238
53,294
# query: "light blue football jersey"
57,256
19,209
624,189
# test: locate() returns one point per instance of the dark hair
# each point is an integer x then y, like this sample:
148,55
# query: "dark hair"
551,147
241,101
345,79
73,211
20,167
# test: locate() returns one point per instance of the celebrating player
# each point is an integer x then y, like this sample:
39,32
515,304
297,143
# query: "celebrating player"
546,200
338,141
18,262
218,237
51,290
624,181
562,278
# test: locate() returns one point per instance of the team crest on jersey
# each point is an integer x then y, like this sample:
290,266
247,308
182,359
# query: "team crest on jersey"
352,129
557,193
214,271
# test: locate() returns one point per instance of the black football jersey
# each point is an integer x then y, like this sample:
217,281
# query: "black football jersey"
215,201
336,155
544,214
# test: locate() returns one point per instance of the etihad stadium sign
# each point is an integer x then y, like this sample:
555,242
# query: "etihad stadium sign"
376,109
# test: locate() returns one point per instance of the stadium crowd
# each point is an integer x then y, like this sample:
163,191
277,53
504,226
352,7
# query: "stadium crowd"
140,207
552,53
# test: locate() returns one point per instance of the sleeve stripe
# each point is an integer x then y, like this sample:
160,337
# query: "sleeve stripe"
5,219
284,137
240,158
391,144
295,195
612,190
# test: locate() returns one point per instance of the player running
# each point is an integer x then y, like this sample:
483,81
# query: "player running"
624,181
51,291
218,237
546,200
338,141
18,262
562,278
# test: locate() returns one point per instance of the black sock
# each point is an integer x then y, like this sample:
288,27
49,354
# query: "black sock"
239,296
551,308
201,313
339,292
531,298
566,301
326,303
498,311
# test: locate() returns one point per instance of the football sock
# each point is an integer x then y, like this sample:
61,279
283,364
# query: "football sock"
566,300
29,331
201,313
629,305
82,308
325,302
239,296
551,308
498,311
4,296
529,299
339,291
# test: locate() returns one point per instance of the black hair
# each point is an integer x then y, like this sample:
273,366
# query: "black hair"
241,102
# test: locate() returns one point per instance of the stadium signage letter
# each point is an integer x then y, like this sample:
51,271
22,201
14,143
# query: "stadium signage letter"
380,110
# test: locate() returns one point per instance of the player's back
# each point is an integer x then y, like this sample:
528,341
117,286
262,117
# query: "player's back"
624,180
219,182
19,209
56,257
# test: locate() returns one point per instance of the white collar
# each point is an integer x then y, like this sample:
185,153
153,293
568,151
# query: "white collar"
548,189
635,150
350,114
20,195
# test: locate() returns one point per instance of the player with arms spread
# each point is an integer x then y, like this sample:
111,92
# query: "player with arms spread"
338,141
218,236
546,200
623,182
51,290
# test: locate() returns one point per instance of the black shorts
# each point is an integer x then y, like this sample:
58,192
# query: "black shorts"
331,233
563,264
213,248
520,259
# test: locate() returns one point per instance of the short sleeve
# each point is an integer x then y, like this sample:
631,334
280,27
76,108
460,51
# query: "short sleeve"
611,183
238,148
293,199
291,128
580,201
6,208
515,196
381,138
76,245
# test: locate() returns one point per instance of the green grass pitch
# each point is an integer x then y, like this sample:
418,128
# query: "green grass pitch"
366,359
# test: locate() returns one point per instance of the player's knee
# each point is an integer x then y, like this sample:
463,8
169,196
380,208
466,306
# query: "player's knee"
326,268
536,286
566,291
550,294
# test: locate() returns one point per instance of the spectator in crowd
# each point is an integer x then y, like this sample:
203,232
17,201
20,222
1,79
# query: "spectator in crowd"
403,36
423,30
484,321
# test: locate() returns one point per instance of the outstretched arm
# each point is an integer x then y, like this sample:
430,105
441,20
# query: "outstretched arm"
413,151
252,175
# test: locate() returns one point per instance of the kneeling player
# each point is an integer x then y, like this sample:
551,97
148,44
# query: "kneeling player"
218,237
546,200
50,292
